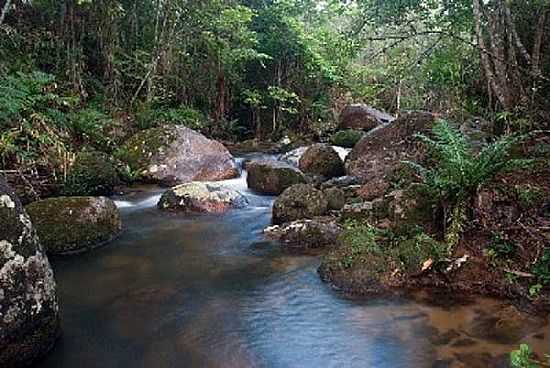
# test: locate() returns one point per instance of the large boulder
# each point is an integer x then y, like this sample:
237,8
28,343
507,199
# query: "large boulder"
293,157
29,314
173,155
300,201
92,174
323,160
68,225
306,233
202,197
362,117
376,157
272,177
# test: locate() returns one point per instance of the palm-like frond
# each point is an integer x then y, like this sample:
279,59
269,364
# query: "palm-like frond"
459,172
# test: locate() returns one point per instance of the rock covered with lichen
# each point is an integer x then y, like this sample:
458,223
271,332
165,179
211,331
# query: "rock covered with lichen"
69,225
29,314
202,197
174,154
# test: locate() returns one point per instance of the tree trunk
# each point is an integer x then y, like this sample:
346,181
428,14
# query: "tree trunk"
219,115
537,47
5,10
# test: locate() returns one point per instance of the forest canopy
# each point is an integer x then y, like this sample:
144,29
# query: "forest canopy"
86,72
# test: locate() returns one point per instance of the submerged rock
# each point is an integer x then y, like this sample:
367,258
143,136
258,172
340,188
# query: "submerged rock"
202,197
306,234
271,177
29,314
69,225
323,160
300,201
363,117
175,154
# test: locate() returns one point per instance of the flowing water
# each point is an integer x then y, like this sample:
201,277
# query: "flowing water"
209,291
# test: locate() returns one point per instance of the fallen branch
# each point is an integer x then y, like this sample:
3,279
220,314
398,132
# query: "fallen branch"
519,273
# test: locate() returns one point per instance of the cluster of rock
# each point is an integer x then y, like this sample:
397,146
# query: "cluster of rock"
84,219
317,186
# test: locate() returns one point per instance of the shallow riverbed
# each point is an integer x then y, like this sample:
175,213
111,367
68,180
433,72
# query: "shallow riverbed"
209,291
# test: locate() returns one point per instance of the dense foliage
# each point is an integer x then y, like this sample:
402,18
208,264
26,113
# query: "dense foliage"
78,73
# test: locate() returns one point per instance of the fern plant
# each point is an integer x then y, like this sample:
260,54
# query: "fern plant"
459,171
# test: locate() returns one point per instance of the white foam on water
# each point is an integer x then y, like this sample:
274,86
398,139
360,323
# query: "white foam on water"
342,152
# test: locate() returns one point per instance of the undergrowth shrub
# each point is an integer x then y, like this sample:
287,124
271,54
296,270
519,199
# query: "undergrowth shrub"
541,269
186,116
93,173
33,132
459,172
89,127
524,358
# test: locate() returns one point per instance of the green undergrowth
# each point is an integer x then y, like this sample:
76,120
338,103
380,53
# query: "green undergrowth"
363,243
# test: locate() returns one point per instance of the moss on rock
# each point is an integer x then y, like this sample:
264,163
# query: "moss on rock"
272,177
300,201
172,155
68,225
346,138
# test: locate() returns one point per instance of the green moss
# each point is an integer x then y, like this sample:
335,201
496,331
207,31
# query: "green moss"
346,138
138,150
92,173
73,224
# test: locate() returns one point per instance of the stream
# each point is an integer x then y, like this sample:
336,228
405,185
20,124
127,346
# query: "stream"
208,291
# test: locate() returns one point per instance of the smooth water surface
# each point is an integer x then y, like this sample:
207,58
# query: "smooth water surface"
209,291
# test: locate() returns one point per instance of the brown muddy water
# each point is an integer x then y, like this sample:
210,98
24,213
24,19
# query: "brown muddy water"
209,291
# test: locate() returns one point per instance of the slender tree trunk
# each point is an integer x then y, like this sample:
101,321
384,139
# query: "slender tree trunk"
5,10
493,59
220,97
537,47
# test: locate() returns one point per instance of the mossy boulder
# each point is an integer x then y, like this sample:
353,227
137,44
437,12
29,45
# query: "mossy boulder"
29,313
202,197
346,138
69,225
300,201
92,174
173,155
323,160
336,198
306,233
271,177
